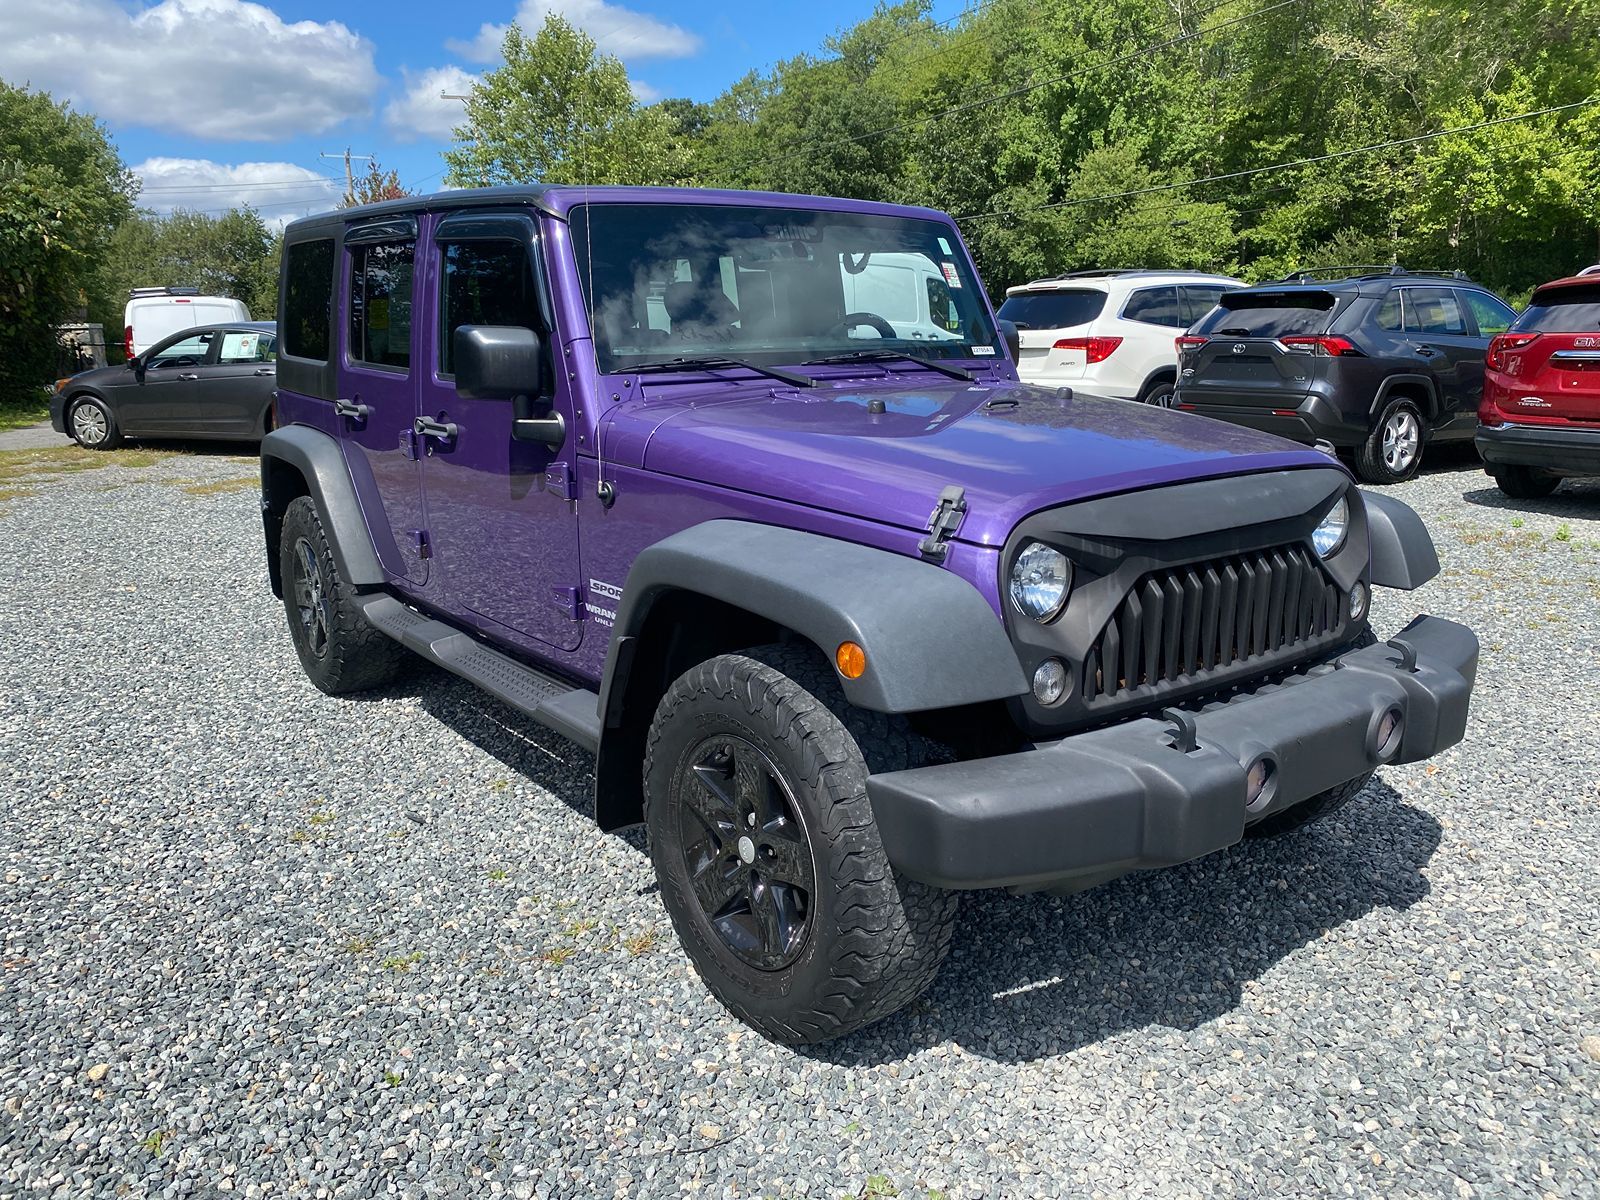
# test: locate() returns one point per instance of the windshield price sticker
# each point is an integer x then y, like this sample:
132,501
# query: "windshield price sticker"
950,274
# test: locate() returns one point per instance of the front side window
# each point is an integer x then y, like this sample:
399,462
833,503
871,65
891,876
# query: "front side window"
186,352
1492,316
1433,310
484,283
774,285
1154,306
380,304
307,297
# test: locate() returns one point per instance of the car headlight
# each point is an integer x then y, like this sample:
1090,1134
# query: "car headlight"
1040,578
1329,536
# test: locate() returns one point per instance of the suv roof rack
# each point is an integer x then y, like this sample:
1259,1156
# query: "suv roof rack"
1379,271
1103,272
165,290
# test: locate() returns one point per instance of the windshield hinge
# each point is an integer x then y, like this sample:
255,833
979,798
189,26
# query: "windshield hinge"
943,522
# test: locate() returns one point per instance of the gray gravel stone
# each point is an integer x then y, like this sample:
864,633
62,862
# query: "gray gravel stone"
370,947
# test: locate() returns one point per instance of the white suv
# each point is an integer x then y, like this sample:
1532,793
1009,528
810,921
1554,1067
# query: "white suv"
1110,332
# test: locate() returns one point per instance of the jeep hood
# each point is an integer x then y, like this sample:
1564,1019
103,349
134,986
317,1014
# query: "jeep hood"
1014,448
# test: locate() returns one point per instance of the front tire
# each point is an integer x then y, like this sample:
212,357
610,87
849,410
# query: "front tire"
766,851
92,425
1526,483
1393,450
339,651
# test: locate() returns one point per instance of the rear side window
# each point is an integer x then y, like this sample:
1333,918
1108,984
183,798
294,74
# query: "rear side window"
1561,310
307,298
1054,309
380,303
1196,300
1433,310
1269,314
1154,306
1389,316
485,283
1492,316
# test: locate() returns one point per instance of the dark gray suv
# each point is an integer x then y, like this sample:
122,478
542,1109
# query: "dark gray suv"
1381,362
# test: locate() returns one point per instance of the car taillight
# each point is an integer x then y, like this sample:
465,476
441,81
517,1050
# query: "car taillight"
1189,341
1495,357
1324,347
127,341
1095,349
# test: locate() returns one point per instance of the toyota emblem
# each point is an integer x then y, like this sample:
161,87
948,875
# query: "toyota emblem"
1240,347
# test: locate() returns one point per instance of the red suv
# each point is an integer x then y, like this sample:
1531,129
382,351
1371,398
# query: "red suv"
1540,417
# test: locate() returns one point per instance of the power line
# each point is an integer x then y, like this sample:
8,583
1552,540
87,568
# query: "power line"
319,181
1283,166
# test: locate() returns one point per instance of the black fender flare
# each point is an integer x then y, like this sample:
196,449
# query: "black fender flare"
931,639
1403,555
1430,388
315,458
1156,376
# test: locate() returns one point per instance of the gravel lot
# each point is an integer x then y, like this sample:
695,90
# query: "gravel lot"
261,941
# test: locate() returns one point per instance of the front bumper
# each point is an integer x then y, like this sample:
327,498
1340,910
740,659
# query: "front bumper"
1095,805
1571,451
58,414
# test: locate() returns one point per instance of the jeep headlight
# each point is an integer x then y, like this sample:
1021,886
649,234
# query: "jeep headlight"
1040,579
1329,536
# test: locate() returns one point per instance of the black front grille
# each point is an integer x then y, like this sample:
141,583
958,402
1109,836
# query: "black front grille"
1179,624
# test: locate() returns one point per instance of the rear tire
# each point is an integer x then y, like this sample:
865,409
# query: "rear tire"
1526,483
92,425
339,651
1393,450
766,851
1160,394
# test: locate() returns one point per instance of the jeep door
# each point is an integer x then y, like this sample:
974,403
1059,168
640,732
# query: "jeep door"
502,517
377,396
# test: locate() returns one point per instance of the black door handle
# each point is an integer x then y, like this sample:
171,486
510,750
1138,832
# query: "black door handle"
444,431
349,408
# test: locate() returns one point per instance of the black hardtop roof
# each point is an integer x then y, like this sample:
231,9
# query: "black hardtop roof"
514,194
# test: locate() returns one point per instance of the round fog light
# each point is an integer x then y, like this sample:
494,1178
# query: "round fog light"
1050,681
1358,601
1258,782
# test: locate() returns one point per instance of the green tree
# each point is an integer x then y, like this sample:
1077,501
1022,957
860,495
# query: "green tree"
559,111
234,254
63,190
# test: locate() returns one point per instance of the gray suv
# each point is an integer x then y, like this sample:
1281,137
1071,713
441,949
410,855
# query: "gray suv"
1381,362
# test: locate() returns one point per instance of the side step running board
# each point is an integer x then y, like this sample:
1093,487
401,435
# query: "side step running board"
572,712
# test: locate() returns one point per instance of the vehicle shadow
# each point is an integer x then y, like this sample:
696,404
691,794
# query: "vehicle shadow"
1032,976
199,447
1575,498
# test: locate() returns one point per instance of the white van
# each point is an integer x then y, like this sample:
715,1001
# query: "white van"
909,291
154,313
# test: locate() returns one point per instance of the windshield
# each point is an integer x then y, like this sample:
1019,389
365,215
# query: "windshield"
772,285
1058,309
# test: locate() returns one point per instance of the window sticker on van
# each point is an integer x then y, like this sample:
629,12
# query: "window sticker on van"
951,275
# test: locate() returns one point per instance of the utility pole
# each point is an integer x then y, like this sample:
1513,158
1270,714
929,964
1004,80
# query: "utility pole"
349,175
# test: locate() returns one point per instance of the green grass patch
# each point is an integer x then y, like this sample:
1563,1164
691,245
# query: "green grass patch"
28,467
223,486
19,414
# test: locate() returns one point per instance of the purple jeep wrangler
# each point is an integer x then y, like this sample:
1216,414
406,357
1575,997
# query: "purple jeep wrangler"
741,493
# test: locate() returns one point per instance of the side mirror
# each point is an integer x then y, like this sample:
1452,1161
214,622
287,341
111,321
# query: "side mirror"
497,362
1012,339
506,362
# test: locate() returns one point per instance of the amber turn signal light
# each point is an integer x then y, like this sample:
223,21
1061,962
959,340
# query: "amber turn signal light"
851,659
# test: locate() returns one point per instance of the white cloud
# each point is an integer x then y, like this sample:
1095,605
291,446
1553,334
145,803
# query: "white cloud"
422,112
629,35
279,191
212,68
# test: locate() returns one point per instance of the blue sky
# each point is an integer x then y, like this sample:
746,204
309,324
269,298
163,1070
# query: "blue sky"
219,102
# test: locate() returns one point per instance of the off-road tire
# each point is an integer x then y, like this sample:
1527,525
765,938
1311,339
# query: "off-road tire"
80,430
350,655
1526,483
1371,464
874,939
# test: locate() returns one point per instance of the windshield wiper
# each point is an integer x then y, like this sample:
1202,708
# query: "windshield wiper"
715,361
871,356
